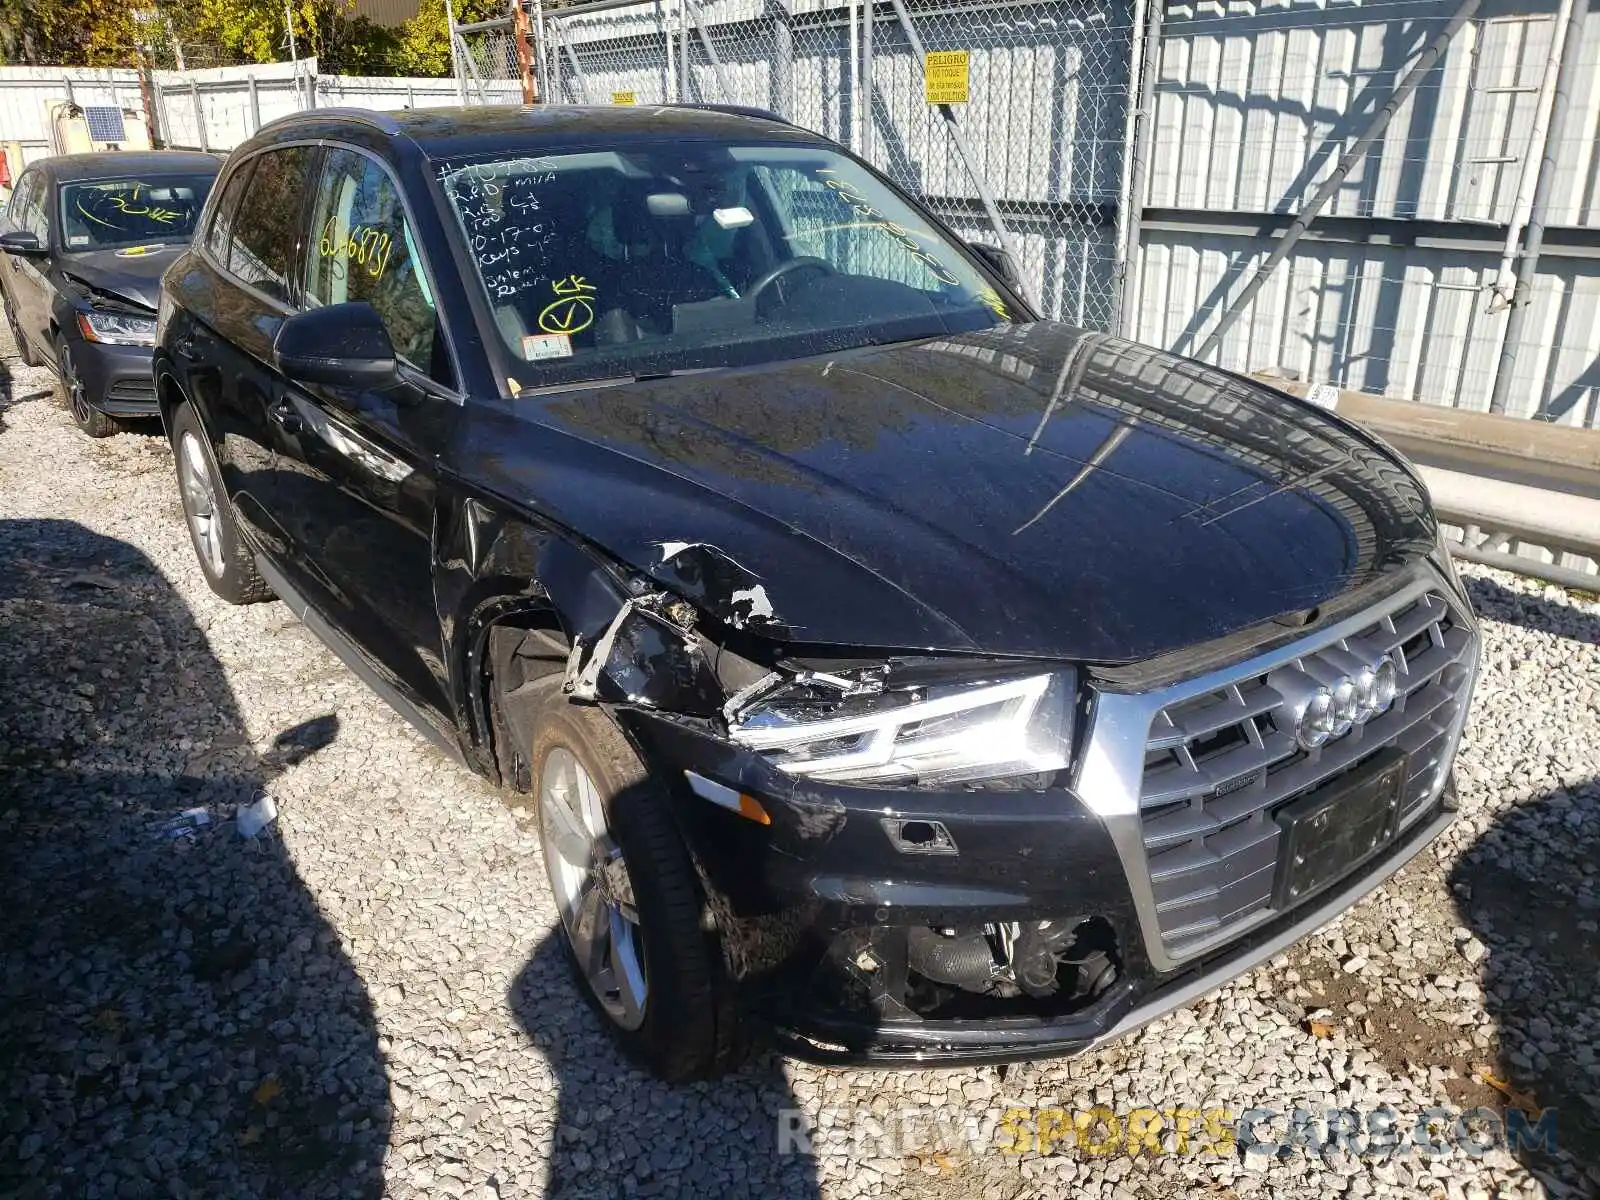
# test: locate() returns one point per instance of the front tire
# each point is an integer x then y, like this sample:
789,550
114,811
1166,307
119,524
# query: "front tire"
89,418
225,558
630,902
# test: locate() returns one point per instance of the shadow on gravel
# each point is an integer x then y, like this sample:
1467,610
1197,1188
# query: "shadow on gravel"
1496,602
177,1018
620,1132
1529,891
8,384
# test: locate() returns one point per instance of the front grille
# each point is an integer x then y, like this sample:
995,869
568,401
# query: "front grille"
1218,765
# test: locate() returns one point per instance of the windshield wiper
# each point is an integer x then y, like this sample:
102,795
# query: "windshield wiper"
615,380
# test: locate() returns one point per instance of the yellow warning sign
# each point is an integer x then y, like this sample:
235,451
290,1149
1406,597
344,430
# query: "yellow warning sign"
622,98
945,76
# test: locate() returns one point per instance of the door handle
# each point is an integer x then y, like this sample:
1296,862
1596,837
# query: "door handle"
284,416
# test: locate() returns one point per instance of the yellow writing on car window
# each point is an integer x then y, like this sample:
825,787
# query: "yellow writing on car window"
990,299
128,204
573,309
363,245
898,234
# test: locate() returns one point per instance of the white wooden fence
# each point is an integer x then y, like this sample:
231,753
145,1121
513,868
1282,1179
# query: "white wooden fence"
212,109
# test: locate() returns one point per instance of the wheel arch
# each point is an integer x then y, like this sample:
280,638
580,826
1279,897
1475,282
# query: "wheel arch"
505,587
169,396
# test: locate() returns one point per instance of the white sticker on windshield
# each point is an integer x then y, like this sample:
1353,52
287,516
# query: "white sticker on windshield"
536,347
733,218
78,239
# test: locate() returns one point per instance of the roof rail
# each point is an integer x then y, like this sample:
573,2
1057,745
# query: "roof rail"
382,120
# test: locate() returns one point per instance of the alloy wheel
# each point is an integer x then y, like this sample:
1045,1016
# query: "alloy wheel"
200,501
592,887
77,396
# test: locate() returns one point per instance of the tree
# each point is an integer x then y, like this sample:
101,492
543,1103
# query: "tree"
74,32
225,32
422,46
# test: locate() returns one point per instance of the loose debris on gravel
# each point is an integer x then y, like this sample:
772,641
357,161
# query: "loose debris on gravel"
365,996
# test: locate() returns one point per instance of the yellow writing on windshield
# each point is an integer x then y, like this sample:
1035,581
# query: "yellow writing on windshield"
573,309
125,203
898,234
363,245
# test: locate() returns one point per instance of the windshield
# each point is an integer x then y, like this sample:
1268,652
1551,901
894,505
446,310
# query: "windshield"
641,261
126,212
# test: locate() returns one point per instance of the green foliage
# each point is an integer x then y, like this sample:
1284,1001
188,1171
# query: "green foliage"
422,46
223,32
75,32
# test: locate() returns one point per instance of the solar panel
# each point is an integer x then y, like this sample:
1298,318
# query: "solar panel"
105,123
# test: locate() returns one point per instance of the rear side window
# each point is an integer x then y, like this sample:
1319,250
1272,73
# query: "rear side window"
266,232
360,247
220,235
27,205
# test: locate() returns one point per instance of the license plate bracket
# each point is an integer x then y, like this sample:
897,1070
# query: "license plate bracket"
1327,834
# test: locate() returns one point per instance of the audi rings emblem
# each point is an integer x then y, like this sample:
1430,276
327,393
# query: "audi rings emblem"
1330,694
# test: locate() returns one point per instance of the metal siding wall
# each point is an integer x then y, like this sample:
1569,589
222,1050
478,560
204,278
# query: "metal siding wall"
25,93
1254,108
1576,199
1253,112
1396,321
384,92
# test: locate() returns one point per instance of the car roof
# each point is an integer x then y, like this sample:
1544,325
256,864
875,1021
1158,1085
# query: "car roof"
454,132
107,164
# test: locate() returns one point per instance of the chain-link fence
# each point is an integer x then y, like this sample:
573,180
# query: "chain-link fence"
1029,160
487,62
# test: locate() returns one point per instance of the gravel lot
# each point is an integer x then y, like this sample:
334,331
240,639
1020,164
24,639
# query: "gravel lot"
367,997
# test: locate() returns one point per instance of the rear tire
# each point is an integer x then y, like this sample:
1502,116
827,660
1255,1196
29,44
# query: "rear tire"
642,896
89,418
224,556
24,351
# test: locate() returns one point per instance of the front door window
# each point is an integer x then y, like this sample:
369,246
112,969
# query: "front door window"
360,247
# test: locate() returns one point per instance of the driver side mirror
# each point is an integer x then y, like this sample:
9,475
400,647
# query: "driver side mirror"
339,345
21,241
997,260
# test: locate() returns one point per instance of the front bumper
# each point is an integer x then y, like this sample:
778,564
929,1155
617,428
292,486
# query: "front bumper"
1130,1005
833,928
787,896
117,379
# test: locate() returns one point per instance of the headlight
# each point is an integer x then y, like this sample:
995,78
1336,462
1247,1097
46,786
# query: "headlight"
117,329
929,733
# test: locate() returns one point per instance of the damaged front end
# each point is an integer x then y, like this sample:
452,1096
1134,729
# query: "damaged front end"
108,317
890,851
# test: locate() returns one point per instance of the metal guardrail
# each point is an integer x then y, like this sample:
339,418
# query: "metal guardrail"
1508,485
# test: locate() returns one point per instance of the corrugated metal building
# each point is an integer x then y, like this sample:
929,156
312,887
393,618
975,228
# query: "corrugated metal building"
1391,291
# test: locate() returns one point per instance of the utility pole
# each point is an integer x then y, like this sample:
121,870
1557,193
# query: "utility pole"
294,50
455,61
519,26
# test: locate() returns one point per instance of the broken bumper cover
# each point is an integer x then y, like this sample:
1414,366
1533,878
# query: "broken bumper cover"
117,379
825,873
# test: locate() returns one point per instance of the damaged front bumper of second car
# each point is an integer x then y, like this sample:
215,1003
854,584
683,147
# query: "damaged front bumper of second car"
112,354
916,859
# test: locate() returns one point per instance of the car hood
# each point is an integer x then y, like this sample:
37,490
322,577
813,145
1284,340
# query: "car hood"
1033,490
132,273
